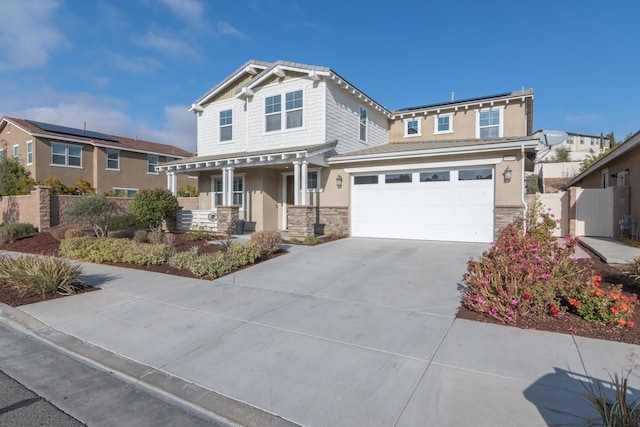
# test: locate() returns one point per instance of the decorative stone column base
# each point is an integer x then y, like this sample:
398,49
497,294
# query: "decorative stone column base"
301,221
227,217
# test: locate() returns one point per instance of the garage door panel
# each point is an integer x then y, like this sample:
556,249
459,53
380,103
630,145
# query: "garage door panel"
449,210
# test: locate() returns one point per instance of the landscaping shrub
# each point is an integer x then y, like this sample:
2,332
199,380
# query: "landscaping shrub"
199,234
97,210
529,273
153,206
140,236
73,232
242,254
114,250
10,232
43,275
335,232
218,263
268,241
126,221
619,411
155,237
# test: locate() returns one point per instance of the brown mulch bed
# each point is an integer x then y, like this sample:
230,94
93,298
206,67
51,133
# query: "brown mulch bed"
569,323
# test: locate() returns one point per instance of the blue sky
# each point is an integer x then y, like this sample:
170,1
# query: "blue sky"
132,67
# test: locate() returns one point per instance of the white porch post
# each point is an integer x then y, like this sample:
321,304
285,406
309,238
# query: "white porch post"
296,183
303,199
230,189
172,183
225,185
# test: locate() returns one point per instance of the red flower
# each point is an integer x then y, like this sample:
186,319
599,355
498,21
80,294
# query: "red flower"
630,324
527,296
555,311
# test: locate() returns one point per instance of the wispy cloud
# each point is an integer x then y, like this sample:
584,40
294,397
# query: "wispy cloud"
583,118
166,43
178,128
227,29
28,34
192,12
135,64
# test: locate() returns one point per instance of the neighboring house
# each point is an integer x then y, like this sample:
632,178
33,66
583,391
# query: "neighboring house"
297,147
107,162
619,171
579,145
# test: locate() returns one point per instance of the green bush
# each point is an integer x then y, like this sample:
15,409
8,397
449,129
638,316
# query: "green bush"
10,232
242,254
97,210
127,221
155,237
140,236
114,250
73,232
44,275
153,206
199,234
216,264
621,411
268,241
15,179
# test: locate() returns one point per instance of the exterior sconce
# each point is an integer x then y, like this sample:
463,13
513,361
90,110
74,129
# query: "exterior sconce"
339,181
507,174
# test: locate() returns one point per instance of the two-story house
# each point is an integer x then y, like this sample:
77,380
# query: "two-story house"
297,146
108,162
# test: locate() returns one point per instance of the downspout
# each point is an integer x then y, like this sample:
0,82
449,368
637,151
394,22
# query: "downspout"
524,189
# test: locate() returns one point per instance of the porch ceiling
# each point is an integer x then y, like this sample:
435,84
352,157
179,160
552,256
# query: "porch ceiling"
315,155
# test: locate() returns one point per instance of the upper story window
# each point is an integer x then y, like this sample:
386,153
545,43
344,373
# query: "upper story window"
113,159
66,155
29,152
363,124
16,152
581,141
490,123
226,125
594,141
152,162
293,111
293,105
443,123
412,127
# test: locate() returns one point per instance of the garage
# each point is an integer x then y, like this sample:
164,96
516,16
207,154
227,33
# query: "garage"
431,204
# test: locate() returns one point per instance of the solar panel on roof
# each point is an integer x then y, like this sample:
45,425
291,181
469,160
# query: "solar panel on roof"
48,127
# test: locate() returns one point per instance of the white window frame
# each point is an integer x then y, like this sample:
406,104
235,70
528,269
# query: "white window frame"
218,178
318,187
129,192
436,126
274,113
500,125
293,109
149,164
605,178
362,124
113,150
29,152
16,151
418,120
225,125
621,178
67,155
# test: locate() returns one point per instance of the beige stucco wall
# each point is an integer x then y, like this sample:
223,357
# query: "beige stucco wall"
464,123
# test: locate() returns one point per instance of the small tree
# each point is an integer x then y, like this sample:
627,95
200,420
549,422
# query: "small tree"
188,191
57,187
97,210
83,187
14,178
563,154
153,206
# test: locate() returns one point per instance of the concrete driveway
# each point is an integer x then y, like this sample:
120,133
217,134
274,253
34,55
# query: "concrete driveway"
336,334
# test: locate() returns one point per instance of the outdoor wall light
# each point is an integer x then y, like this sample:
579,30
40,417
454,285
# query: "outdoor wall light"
507,174
339,181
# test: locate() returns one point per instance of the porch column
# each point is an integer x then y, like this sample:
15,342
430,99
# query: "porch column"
303,199
229,190
225,185
172,183
296,183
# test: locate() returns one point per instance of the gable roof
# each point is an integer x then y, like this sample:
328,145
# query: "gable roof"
99,139
632,142
436,147
262,71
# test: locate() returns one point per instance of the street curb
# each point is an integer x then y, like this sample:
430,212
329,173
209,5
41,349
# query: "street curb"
207,404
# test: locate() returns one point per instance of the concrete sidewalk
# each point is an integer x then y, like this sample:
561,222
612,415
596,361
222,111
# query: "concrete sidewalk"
353,332
610,250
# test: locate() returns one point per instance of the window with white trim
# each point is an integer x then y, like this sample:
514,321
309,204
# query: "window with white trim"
412,127
293,106
434,176
313,180
238,191
29,152
272,108
443,123
226,125
152,162
113,159
66,155
365,179
490,123
16,152
363,124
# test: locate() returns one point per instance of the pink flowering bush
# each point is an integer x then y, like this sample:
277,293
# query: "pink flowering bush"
524,272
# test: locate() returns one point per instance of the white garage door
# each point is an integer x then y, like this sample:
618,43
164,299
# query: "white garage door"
448,205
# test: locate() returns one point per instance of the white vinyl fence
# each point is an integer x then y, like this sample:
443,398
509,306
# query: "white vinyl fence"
196,219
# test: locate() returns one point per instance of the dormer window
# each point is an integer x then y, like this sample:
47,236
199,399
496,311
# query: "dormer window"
293,111
443,123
